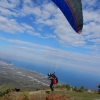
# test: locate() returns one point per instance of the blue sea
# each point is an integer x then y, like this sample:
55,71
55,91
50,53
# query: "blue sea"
66,76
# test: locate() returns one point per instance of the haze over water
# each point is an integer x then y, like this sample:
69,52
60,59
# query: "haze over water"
66,76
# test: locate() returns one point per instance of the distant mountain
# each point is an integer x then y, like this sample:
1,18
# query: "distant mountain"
21,78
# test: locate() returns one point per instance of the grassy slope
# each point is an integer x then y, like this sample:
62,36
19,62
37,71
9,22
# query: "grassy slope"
57,95
80,96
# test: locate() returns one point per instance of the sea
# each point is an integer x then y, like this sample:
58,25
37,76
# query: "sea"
66,76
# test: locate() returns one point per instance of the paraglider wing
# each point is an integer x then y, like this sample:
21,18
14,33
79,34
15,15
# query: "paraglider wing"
72,9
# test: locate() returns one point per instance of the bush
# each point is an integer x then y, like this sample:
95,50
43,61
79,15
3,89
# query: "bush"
81,89
99,86
61,86
25,95
68,87
75,89
5,90
86,89
99,91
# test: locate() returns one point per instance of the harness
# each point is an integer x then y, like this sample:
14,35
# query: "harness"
55,79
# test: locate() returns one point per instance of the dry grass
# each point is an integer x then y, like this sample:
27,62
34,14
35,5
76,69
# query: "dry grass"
57,97
47,95
40,96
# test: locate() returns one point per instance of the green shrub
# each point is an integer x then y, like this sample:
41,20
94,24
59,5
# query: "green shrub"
68,87
81,89
25,95
75,89
5,90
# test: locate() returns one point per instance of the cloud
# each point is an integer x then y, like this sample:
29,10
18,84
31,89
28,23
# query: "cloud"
46,14
94,5
9,3
27,27
46,55
42,19
28,8
10,13
7,12
20,42
64,32
10,25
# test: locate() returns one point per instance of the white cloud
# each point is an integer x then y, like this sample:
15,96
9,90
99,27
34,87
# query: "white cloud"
91,16
44,15
24,43
51,51
7,12
27,10
46,55
10,25
96,41
9,3
27,27
34,33
47,14
88,4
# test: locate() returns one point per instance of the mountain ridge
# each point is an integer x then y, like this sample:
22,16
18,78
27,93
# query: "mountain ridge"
21,78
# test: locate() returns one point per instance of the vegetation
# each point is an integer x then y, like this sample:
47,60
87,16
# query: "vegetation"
75,89
62,92
98,89
68,87
4,90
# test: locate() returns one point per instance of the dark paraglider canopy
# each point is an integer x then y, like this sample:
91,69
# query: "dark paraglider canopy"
72,10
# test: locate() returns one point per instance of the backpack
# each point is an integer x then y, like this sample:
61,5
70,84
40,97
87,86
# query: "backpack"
55,79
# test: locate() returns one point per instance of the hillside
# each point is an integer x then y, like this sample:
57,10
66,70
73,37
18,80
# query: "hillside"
29,81
21,78
59,94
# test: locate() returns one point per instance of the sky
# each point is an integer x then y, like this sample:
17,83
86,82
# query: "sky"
36,31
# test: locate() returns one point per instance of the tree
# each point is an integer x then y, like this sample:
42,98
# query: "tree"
99,89
68,86
81,89
75,89
86,89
